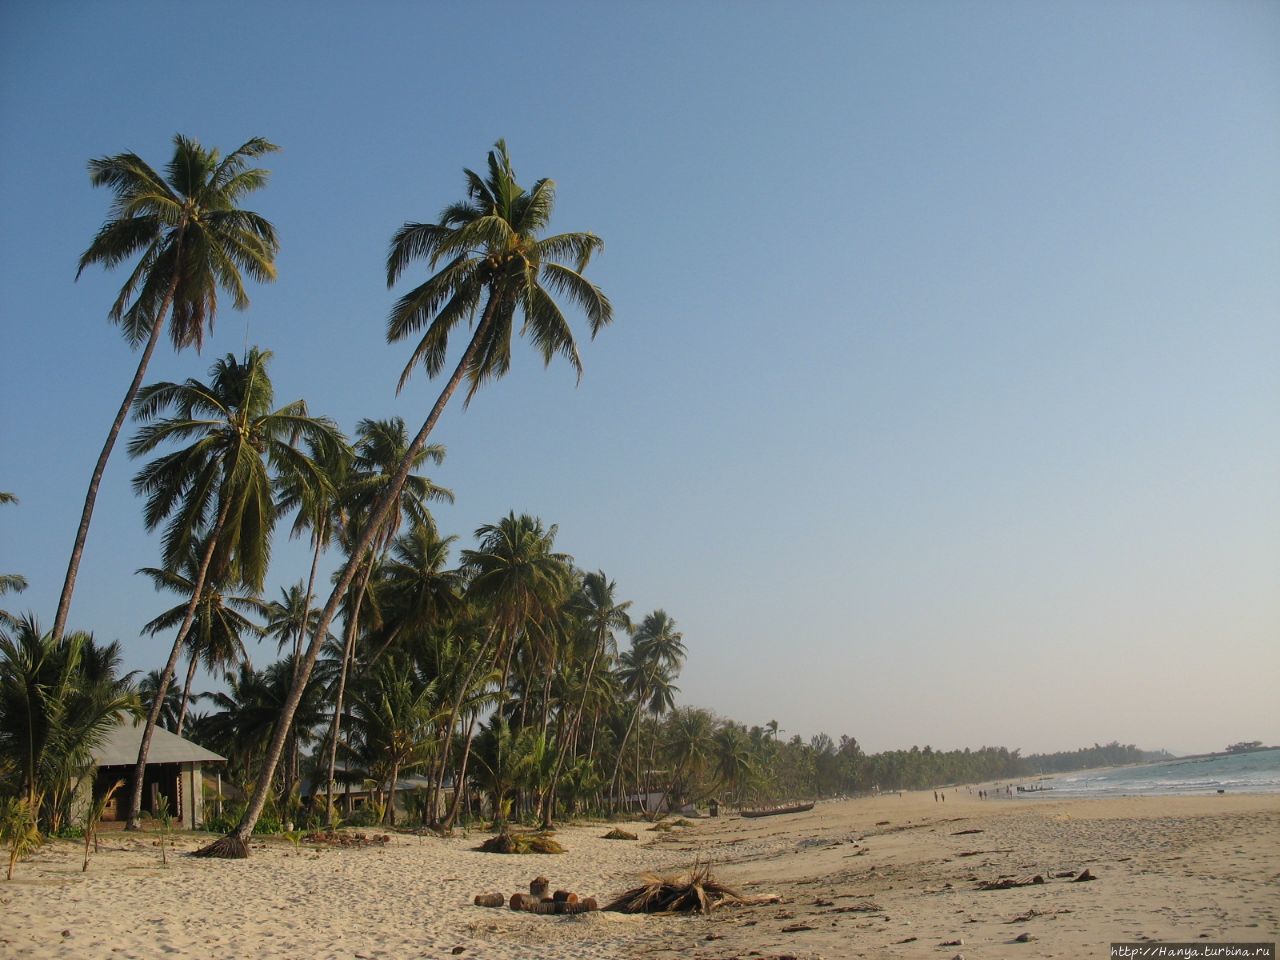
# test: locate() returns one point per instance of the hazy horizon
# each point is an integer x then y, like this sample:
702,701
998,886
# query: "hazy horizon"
941,404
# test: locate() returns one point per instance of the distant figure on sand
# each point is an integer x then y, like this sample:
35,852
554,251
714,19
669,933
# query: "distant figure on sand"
935,796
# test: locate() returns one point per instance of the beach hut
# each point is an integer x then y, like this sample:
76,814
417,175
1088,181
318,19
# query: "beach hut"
175,771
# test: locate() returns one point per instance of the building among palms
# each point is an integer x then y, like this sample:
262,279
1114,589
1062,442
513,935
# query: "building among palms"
174,773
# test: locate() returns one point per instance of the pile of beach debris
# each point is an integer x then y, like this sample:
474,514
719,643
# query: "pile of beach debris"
345,838
509,842
696,891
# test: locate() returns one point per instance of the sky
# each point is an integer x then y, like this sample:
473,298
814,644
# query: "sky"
941,405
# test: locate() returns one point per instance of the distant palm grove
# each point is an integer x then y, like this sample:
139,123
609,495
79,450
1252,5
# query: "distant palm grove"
497,675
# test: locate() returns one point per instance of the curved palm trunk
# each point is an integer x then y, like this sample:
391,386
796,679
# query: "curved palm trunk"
461,779
306,608
186,693
235,843
454,712
615,787
91,497
348,652
153,715
572,733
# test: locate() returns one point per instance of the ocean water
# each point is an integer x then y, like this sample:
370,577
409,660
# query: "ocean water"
1236,773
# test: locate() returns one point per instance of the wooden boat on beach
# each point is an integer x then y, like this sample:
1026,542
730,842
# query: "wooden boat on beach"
798,808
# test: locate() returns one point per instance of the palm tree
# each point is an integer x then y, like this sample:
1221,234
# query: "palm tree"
380,447
519,579
491,261
420,591
10,582
244,715
315,498
688,746
731,758
219,488
193,239
59,699
392,710
600,615
170,702
215,637
649,668
290,620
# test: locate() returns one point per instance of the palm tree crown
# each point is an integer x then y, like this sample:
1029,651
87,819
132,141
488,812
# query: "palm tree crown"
232,428
189,232
491,254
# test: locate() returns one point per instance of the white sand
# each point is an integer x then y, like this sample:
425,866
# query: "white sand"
1181,868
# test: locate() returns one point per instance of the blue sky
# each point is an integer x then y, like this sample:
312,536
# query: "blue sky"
941,404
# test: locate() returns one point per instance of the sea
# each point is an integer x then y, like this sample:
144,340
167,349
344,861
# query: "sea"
1256,772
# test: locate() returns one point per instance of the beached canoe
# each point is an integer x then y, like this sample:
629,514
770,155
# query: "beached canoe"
798,808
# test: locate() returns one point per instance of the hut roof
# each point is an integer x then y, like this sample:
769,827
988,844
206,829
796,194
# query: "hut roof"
120,749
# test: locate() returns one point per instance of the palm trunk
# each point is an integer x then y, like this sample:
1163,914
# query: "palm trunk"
460,780
438,784
348,650
573,729
153,715
86,515
235,843
391,801
186,693
622,752
306,608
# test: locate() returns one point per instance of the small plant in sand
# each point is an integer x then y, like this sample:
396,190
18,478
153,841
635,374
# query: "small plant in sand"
93,817
295,838
165,819
18,829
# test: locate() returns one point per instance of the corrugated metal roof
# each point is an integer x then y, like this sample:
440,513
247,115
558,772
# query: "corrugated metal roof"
121,748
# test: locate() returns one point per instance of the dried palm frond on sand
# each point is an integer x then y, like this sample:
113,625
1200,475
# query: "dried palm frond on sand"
693,892
507,842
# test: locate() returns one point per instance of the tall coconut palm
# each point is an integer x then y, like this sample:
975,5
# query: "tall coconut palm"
380,446
216,636
314,498
218,489
600,614
290,620
421,592
489,260
191,239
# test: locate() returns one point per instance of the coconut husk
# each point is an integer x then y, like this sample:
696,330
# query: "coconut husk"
694,892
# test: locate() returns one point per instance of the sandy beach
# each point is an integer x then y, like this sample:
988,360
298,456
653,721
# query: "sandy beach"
895,876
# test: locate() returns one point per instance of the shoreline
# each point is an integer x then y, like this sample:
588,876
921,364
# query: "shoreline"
1167,868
